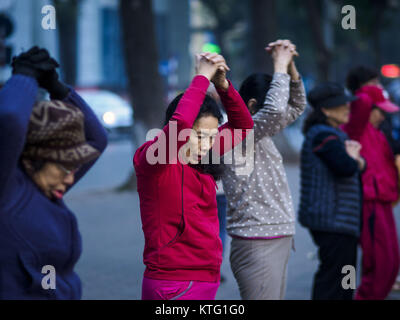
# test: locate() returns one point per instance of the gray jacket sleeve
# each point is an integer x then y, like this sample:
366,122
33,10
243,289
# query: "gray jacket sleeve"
284,102
297,101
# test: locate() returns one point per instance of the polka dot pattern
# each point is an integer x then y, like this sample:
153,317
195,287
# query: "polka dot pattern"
259,204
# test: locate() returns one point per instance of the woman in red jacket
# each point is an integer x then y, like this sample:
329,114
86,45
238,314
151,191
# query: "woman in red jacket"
379,243
177,190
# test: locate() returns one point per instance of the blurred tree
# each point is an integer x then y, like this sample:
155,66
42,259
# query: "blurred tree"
294,26
372,21
318,21
229,17
67,27
364,44
141,60
226,13
261,19
263,28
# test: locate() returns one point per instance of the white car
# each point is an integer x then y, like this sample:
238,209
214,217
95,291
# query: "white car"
113,111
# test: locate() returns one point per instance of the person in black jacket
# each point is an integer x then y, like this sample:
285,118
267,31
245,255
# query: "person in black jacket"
331,193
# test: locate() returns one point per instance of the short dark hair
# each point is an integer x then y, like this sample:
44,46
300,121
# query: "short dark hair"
360,75
316,116
208,108
31,167
256,87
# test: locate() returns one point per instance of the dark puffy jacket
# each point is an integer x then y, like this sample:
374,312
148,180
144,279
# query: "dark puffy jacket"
328,202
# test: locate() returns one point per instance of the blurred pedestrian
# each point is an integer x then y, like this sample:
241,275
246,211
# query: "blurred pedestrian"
362,76
379,243
45,149
260,215
183,251
357,78
331,193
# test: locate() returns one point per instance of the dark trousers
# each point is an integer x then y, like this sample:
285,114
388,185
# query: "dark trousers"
334,252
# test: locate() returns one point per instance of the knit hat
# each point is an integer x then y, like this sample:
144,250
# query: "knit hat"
329,95
56,134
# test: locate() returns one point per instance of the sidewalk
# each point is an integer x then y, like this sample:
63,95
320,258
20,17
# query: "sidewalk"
111,264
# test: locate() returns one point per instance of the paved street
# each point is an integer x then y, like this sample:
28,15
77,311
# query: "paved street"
111,263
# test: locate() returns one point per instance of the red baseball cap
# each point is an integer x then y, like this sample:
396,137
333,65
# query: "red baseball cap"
380,98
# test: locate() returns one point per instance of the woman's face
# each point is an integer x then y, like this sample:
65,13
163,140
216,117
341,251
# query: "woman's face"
202,138
53,179
338,115
376,117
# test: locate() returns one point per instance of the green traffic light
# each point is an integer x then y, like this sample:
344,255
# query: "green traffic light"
211,47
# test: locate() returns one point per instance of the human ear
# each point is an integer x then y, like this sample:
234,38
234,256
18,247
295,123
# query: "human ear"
325,112
251,105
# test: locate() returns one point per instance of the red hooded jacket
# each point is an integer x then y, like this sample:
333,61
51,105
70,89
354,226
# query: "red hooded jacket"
178,202
380,177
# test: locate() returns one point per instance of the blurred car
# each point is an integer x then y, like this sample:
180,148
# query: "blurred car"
113,111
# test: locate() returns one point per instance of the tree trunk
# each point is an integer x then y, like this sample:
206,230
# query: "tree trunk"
141,56
323,54
145,85
219,37
263,29
67,26
379,9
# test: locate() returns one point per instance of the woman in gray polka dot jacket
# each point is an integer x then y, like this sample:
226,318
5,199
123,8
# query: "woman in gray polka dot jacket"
260,214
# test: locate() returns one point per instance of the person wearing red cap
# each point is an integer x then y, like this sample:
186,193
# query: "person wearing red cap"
379,243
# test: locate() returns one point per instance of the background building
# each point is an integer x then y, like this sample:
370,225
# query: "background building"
100,61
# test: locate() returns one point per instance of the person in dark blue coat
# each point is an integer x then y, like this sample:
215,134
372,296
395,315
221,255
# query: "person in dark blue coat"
331,193
45,148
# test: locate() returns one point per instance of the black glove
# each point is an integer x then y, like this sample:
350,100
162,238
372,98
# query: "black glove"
33,63
49,80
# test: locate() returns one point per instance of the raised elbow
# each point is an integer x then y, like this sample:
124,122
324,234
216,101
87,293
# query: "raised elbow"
102,140
249,123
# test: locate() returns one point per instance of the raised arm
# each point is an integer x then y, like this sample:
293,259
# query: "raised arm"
297,95
17,98
272,116
359,116
276,113
183,118
239,118
95,133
